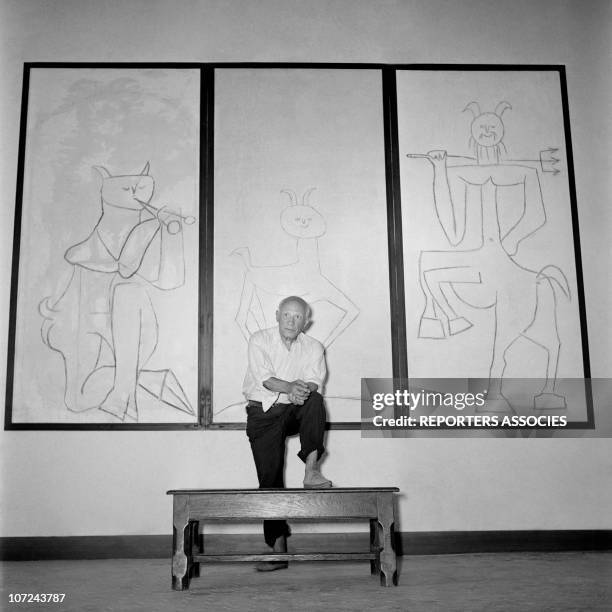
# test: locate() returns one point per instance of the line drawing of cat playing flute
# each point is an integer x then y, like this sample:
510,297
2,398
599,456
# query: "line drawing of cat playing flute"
104,324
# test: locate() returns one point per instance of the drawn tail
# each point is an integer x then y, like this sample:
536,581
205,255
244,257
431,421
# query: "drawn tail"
56,312
556,275
48,313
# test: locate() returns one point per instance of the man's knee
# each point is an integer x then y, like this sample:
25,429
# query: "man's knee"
314,407
315,400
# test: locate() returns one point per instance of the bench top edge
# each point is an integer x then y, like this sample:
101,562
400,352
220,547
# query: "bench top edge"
277,491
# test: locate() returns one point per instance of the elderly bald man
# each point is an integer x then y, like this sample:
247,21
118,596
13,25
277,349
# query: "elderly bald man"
285,373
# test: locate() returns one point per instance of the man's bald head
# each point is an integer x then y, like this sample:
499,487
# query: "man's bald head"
298,300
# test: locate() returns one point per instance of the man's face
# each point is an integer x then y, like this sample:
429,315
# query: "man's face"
291,320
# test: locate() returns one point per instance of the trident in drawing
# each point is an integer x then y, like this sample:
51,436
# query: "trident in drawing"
487,132
546,160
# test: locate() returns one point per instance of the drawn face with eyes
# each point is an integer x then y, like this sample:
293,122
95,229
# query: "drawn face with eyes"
302,221
487,130
127,191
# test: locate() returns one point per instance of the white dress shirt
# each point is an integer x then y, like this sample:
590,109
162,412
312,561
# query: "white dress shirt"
269,357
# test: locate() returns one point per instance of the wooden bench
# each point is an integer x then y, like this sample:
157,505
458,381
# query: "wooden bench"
194,506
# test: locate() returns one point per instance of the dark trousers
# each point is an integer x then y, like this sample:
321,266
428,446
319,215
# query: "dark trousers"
267,432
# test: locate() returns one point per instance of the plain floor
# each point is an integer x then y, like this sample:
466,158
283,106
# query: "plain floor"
557,582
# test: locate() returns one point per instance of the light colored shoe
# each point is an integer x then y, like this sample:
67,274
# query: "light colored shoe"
316,480
324,485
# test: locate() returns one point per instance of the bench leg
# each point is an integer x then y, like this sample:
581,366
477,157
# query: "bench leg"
374,547
181,538
195,542
388,567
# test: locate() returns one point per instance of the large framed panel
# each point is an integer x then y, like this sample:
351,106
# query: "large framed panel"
491,252
300,209
104,310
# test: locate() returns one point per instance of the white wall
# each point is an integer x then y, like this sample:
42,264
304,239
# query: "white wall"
97,483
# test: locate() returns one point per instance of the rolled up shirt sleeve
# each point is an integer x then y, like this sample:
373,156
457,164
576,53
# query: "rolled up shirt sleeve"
260,369
316,370
260,365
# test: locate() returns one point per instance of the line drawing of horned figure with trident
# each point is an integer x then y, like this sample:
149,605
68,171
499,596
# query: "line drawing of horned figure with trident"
466,194
302,277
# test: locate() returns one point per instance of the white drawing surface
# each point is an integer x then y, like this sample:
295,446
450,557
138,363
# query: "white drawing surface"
489,264
300,210
108,268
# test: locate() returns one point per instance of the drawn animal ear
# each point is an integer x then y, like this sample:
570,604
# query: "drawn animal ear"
306,196
501,107
474,108
291,195
145,170
102,171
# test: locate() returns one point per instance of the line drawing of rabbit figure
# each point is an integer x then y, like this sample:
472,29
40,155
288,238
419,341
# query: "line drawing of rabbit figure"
302,276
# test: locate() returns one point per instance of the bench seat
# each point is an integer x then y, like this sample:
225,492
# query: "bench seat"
193,507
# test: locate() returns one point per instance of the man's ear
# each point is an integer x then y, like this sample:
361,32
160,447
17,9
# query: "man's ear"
277,316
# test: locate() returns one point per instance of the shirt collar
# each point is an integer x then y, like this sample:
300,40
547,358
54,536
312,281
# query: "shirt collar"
280,339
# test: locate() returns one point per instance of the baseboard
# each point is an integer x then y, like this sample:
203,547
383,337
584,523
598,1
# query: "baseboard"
407,543
463,542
